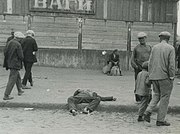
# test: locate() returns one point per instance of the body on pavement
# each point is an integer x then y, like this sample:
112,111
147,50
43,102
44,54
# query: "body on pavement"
86,96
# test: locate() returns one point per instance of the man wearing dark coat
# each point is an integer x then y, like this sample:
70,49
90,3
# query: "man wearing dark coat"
86,96
13,57
29,47
114,60
11,37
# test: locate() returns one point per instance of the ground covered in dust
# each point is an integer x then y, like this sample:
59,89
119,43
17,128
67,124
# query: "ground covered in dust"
28,121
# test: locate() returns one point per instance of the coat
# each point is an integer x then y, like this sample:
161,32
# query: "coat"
87,94
162,61
113,59
13,55
143,85
29,46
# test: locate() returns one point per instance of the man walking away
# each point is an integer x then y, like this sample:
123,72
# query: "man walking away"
13,61
161,73
29,47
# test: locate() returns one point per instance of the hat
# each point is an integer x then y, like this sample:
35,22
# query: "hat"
30,32
145,65
165,33
141,35
19,35
115,50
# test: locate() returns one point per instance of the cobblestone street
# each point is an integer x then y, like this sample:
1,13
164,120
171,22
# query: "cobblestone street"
22,121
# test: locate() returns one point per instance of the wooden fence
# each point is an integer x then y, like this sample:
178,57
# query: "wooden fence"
62,32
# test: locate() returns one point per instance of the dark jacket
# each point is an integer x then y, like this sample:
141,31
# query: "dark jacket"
13,55
113,59
10,38
87,94
29,46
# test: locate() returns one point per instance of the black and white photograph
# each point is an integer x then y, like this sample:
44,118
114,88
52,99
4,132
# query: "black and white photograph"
89,67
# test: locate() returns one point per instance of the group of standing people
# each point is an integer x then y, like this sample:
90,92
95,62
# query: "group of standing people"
153,66
19,50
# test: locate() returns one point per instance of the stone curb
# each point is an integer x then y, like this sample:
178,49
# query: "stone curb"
63,106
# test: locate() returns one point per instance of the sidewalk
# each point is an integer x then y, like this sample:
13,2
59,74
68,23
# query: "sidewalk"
52,87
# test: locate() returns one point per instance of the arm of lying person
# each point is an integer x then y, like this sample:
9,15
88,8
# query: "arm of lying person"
76,92
109,98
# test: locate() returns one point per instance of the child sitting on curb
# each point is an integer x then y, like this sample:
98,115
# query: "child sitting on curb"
143,90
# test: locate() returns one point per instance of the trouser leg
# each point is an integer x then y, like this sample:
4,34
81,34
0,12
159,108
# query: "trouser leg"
94,103
143,105
11,82
72,103
27,66
136,71
165,89
18,82
155,98
30,77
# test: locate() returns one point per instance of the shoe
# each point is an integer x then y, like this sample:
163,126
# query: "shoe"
8,98
86,111
147,117
20,92
114,99
31,83
74,112
25,87
140,118
162,123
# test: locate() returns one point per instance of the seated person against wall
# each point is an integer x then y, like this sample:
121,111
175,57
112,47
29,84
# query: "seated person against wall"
114,61
86,96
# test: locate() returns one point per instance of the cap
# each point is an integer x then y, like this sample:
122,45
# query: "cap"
30,32
115,50
19,35
145,65
165,33
141,35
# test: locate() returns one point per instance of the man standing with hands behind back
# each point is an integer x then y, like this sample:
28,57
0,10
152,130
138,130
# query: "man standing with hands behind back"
30,48
161,74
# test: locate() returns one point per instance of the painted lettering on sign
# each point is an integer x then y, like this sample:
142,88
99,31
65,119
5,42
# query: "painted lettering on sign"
71,5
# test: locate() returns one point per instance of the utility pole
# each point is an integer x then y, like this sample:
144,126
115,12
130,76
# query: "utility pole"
128,44
80,21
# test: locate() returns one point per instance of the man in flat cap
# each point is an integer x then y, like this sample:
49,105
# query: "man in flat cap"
140,54
30,48
161,73
11,37
13,60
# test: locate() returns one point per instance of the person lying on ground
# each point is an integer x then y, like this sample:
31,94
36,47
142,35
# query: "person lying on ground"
86,96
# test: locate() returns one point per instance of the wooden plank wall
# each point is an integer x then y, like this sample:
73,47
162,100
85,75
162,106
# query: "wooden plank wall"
14,23
62,32
152,32
161,11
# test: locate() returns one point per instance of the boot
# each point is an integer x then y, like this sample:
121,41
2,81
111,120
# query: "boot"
162,123
147,117
7,97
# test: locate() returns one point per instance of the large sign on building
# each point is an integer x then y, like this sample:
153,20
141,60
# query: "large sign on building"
67,6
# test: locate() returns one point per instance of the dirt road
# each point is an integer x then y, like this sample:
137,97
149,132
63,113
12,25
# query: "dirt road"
22,121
